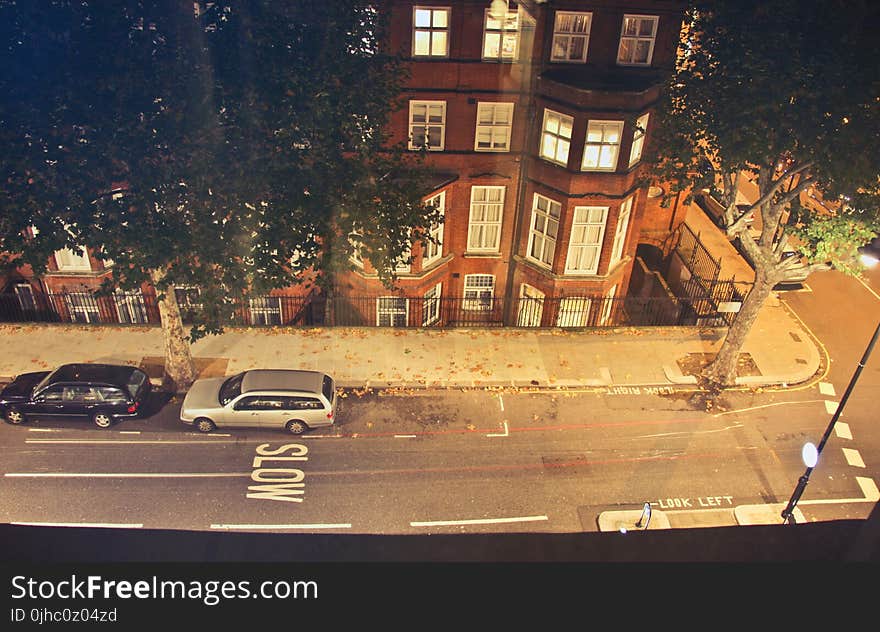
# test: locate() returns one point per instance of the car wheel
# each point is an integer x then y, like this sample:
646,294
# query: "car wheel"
296,427
15,416
102,420
205,425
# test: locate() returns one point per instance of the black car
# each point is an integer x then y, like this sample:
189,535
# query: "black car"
102,392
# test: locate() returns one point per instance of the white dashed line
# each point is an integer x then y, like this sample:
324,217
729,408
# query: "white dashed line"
99,525
501,402
404,436
451,523
126,474
853,457
279,527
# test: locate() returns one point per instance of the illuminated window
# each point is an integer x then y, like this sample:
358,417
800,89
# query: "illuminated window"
585,243
494,122
602,146
637,40
571,36
427,124
500,36
545,228
635,153
430,32
556,137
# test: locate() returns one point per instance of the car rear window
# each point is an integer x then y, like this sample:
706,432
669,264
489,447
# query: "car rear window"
135,382
327,388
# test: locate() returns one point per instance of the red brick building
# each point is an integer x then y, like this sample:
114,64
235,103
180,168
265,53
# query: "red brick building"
536,115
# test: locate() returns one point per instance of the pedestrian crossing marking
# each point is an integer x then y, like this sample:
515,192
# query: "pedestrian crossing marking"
841,429
853,457
826,388
831,407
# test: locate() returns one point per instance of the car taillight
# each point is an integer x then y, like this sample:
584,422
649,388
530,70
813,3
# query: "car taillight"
330,415
133,408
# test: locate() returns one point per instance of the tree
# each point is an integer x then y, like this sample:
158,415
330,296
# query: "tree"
784,93
227,148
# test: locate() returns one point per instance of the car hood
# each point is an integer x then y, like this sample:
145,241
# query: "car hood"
23,385
204,393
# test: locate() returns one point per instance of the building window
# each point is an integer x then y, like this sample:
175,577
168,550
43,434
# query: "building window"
430,32
431,306
392,311
620,233
545,227
265,310
25,295
484,226
573,312
68,260
434,251
608,307
427,124
500,36
130,307
531,306
571,36
637,40
479,292
585,243
189,301
83,308
494,122
635,153
602,146
556,137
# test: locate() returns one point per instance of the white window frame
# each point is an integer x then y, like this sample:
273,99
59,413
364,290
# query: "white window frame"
389,307
607,146
356,256
431,305
68,261
85,304
621,230
432,251
433,30
638,142
634,37
563,38
479,226
503,30
543,230
494,124
574,311
530,310
479,292
608,306
130,307
268,310
586,221
431,107
24,292
554,141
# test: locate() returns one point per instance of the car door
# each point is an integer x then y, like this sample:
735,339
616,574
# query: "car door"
77,400
47,402
243,412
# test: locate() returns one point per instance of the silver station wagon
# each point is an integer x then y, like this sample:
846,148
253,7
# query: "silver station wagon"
262,398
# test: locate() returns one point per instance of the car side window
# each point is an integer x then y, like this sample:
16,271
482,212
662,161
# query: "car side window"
260,402
79,394
51,394
110,394
305,403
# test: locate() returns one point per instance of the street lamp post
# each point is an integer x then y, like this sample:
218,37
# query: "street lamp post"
811,457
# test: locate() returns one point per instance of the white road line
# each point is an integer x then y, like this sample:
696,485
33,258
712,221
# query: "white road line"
404,436
853,457
869,288
126,474
841,429
501,402
745,410
868,487
505,434
43,430
137,432
249,527
448,523
101,525
826,389
831,407
140,441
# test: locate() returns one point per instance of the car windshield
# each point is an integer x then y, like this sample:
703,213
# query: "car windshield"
231,389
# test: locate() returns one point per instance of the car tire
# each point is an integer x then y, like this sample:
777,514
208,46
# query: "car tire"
205,425
14,416
296,426
102,420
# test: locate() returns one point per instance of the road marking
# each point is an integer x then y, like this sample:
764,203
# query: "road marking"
826,389
404,436
501,402
868,487
450,523
853,457
506,431
137,432
249,527
745,410
831,407
99,525
141,441
869,288
126,474
841,429
43,430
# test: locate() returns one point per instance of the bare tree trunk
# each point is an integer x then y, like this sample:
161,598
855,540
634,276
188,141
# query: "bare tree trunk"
722,370
180,370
